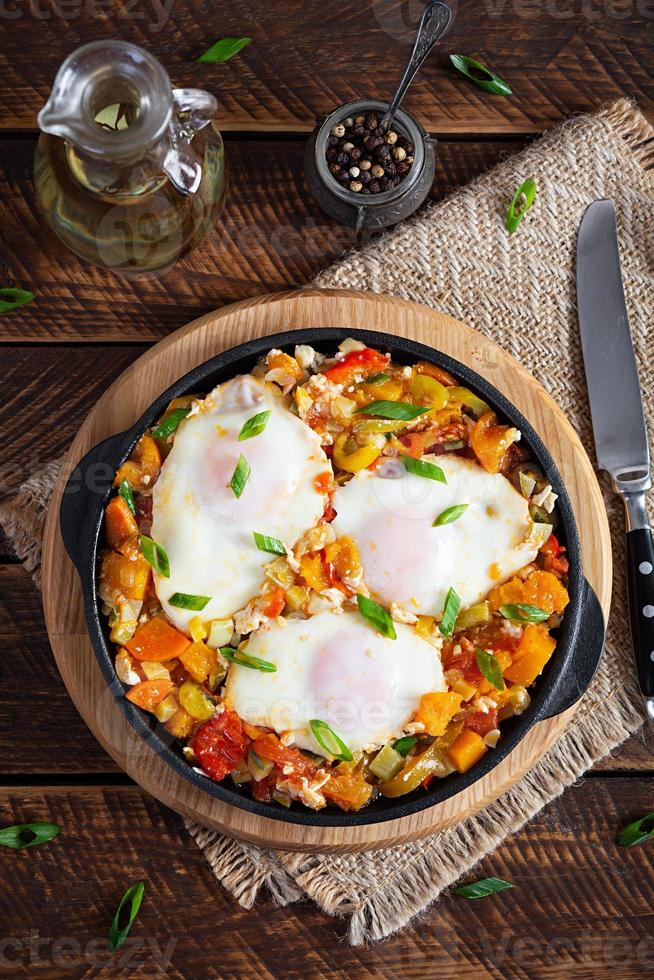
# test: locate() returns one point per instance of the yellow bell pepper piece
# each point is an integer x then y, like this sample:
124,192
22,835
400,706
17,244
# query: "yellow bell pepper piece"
468,398
429,391
358,459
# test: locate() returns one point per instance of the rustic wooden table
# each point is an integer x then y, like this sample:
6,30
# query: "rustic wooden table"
584,907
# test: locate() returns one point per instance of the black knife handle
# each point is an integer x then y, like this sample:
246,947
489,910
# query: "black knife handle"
640,578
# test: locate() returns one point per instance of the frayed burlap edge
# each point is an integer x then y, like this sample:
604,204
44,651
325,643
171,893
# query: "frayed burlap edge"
23,518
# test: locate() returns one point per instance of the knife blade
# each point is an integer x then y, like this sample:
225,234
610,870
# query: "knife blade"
617,415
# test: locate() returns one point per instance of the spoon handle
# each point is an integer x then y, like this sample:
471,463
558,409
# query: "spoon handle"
434,23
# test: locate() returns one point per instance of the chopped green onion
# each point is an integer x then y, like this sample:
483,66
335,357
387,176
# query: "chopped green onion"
254,426
125,492
377,379
404,745
132,898
450,612
420,467
182,600
490,668
11,298
377,616
240,476
245,660
155,554
398,411
322,733
168,425
450,515
637,832
523,199
224,49
524,614
23,835
480,75
272,545
483,887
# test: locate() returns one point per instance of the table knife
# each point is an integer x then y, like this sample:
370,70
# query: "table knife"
617,414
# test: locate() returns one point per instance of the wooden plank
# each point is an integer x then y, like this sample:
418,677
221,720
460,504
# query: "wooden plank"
581,907
272,236
306,58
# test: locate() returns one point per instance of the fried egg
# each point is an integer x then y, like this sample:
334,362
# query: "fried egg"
336,668
409,562
205,529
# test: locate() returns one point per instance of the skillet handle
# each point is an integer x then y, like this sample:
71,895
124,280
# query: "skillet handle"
588,650
88,486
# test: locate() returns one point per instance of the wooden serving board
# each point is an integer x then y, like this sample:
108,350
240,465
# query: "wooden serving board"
133,392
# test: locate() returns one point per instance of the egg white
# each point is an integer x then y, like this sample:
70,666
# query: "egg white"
207,531
409,562
336,668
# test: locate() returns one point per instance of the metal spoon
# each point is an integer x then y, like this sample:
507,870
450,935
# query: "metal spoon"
434,24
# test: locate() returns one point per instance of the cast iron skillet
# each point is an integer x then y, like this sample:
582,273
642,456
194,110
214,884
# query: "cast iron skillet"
564,680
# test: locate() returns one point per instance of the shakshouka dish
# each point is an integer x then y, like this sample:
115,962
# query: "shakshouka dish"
332,578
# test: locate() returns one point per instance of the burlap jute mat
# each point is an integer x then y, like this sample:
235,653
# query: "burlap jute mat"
519,291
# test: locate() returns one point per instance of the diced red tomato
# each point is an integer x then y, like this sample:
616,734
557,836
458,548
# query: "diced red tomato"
413,443
263,789
482,722
555,559
357,364
144,513
276,602
220,744
269,747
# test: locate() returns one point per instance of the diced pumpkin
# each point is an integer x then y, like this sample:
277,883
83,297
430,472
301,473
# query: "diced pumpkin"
120,575
541,589
536,648
274,602
313,572
343,555
166,708
157,641
119,522
148,694
437,710
142,468
490,442
468,749
348,787
180,725
198,660
425,626
284,362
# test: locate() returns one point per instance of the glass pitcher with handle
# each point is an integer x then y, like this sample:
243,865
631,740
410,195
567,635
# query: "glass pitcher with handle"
129,172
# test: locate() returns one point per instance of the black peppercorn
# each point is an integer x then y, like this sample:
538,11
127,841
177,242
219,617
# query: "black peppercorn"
358,130
332,141
343,158
364,176
375,187
409,147
371,121
390,168
331,154
334,169
355,153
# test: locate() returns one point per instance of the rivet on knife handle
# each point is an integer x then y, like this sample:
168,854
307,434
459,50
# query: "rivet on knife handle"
640,577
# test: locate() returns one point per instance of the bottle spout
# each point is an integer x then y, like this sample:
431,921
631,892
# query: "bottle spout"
54,118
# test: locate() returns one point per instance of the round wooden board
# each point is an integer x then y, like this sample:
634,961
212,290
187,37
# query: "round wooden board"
132,393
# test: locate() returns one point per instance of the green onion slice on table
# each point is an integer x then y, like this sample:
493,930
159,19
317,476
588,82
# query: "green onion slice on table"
377,616
523,199
480,75
254,426
156,554
483,887
330,741
637,832
131,903
23,835
450,612
224,49
11,298
243,659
